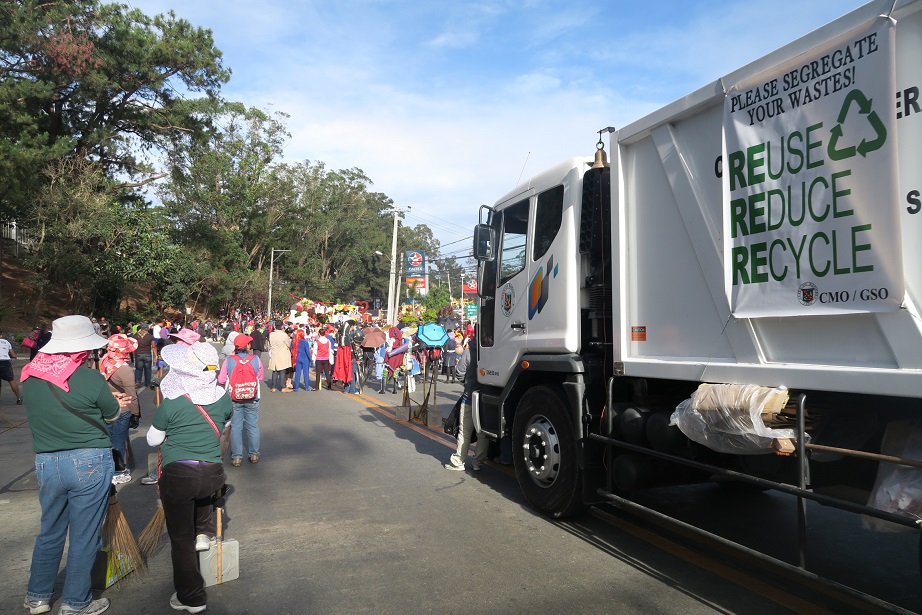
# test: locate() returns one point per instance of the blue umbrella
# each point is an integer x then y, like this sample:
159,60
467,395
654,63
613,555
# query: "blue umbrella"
432,335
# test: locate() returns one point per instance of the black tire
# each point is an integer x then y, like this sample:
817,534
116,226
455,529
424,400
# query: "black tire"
545,453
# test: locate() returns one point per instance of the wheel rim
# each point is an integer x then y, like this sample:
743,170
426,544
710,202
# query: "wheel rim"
541,449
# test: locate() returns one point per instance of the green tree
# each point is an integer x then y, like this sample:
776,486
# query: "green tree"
91,81
90,241
434,302
223,196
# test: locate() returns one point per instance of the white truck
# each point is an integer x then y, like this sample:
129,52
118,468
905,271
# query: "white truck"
735,296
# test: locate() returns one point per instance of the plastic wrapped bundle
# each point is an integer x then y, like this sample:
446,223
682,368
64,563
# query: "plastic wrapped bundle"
898,488
727,418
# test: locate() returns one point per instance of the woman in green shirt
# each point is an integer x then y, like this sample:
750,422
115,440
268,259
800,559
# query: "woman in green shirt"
68,405
187,426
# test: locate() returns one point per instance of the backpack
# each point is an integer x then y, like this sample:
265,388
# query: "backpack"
242,384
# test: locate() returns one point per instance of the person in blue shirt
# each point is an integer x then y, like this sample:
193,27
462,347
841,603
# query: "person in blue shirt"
246,413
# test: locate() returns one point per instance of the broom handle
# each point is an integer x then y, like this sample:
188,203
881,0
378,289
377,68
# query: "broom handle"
219,541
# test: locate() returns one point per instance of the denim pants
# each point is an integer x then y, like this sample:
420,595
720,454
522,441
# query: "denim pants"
245,417
118,433
302,377
73,491
186,490
142,369
353,385
277,380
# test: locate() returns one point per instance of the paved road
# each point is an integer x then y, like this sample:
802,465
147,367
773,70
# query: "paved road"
349,511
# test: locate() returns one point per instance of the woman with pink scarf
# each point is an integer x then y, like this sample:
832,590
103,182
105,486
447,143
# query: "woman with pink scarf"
120,376
67,406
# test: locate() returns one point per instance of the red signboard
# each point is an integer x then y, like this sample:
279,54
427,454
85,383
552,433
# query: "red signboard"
469,287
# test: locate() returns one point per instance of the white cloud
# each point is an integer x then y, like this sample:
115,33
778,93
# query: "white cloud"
442,104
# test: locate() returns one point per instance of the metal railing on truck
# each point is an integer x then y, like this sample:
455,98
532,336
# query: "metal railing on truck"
800,491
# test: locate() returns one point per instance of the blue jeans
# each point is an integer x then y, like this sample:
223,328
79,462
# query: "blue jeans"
353,385
246,416
118,433
142,367
302,378
73,491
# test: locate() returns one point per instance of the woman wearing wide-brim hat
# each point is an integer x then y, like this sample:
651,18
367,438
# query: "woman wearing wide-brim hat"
188,426
73,463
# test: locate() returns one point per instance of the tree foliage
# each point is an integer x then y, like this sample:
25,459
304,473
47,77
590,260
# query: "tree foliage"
98,101
90,81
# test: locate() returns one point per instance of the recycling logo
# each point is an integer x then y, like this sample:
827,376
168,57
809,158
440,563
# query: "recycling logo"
857,100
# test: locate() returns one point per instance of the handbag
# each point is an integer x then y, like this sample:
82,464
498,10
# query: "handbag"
29,342
116,456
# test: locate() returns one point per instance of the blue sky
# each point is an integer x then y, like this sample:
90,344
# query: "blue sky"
446,105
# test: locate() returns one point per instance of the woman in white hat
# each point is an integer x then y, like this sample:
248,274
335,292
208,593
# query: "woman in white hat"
68,405
186,427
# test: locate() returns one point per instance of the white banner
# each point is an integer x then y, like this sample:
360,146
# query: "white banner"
810,182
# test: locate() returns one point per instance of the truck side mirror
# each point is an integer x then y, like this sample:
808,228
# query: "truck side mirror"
484,242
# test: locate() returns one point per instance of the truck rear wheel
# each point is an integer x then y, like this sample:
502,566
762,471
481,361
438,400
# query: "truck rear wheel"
544,453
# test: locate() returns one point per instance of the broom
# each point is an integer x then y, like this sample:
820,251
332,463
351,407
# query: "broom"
225,441
123,553
151,536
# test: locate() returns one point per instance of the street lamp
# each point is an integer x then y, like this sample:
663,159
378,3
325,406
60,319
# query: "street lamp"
271,265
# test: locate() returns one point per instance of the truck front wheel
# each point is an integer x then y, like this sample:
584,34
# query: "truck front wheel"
544,453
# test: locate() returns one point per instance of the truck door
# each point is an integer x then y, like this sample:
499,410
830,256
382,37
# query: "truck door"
504,286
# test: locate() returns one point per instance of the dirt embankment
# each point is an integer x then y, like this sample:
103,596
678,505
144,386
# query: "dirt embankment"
23,305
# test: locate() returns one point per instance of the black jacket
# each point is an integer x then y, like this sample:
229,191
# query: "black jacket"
259,341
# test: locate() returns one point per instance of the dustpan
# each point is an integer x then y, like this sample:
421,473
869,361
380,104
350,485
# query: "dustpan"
220,563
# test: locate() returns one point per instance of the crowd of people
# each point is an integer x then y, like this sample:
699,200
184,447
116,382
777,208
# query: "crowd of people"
80,390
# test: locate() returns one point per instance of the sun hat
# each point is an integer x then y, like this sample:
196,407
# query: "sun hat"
242,340
186,336
193,372
73,334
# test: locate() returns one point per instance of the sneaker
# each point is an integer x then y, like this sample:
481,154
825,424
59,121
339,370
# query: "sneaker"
176,605
476,465
37,606
94,608
149,480
120,478
202,542
254,458
235,462
451,466
19,403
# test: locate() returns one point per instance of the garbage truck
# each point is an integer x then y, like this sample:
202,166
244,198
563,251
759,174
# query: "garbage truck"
728,290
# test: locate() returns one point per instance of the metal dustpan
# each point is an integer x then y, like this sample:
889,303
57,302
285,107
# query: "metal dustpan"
220,563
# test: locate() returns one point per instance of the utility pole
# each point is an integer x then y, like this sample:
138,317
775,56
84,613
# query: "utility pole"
391,286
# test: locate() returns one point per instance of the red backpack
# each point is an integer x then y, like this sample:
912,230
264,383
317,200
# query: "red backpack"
242,384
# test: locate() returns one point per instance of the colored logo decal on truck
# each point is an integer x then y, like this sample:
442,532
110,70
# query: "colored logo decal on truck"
507,299
538,291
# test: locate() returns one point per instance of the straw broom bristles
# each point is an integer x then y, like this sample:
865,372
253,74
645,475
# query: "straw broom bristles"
117,536
225,441
151,536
